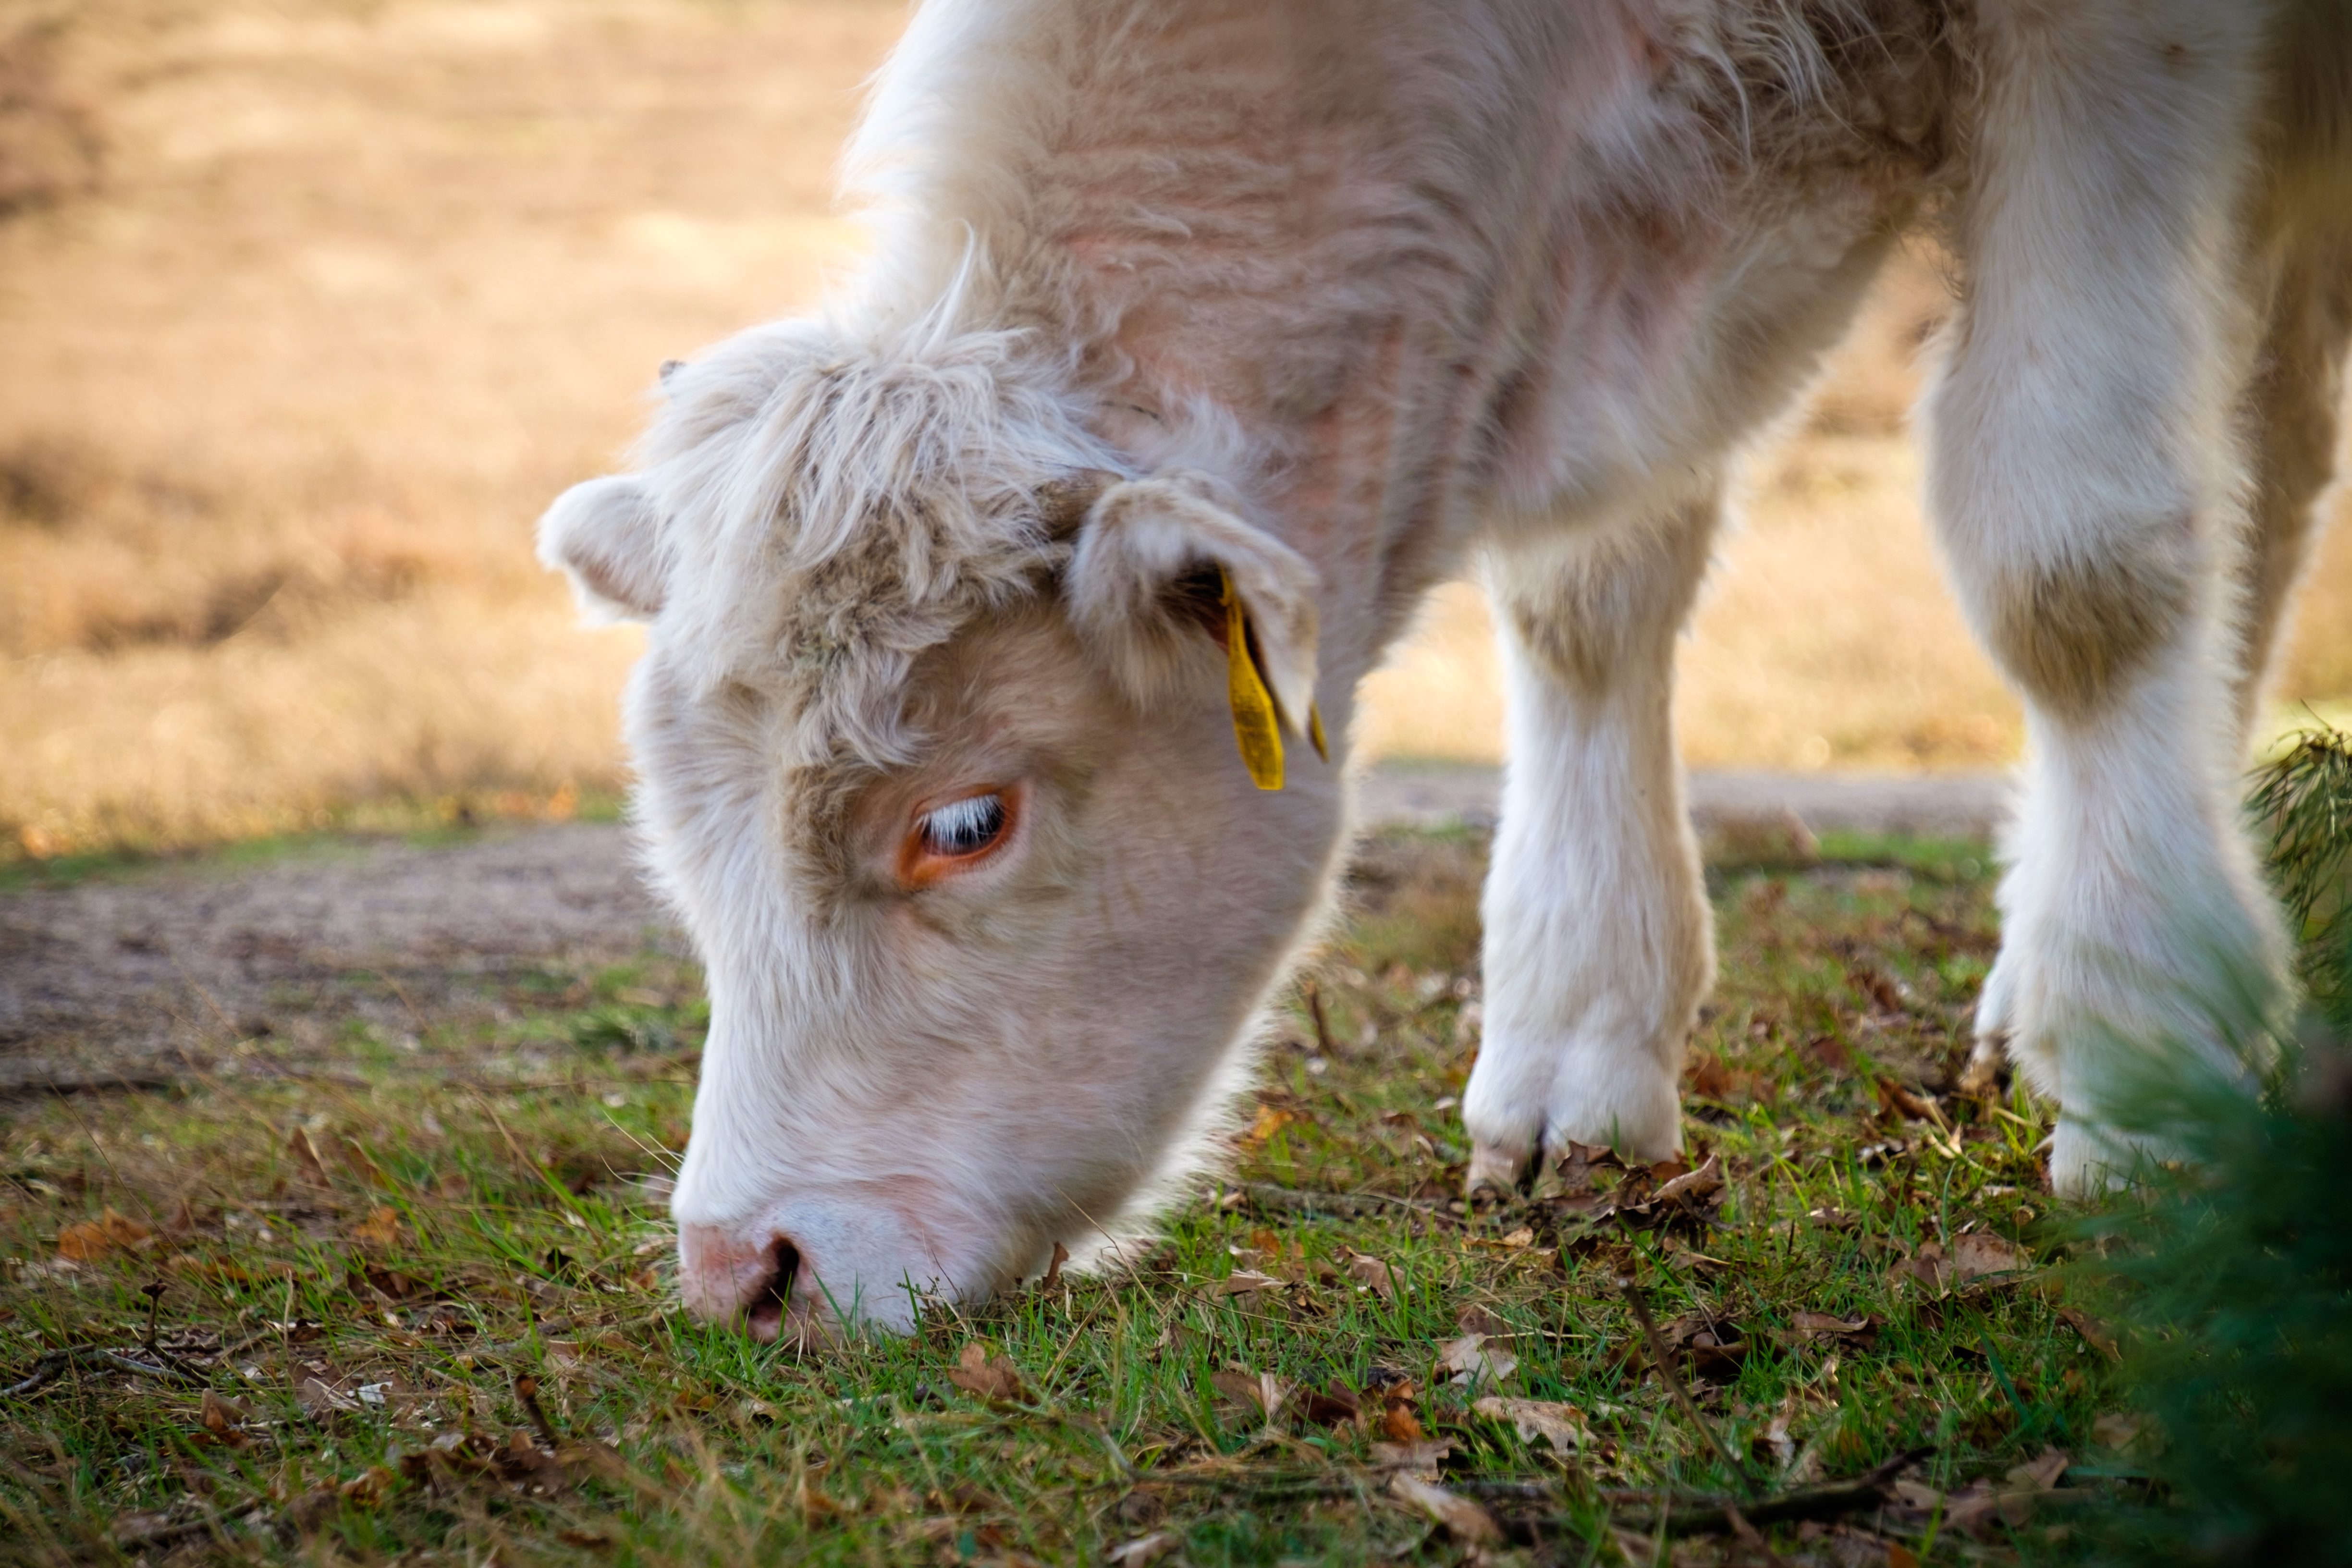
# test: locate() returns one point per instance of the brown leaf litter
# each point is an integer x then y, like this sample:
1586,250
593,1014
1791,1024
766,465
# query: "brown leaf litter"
1464,1520
1258,1394
997,1381
1976,1508
1974,1255
1476,1363
1562,1426
97,1238
1807,1328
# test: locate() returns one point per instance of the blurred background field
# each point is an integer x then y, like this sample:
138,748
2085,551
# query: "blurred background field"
305,310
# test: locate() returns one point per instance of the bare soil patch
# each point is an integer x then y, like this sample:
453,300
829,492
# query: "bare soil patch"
136,975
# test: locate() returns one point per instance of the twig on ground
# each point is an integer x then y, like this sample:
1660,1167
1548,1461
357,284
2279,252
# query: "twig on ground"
1322,1026
1663,1354
1706,1517
46,1370
526,1390
1515,1492
153,1290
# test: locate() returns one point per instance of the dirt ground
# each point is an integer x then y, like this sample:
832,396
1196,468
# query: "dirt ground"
135,975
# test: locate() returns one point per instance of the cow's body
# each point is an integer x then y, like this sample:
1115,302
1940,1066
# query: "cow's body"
1340,289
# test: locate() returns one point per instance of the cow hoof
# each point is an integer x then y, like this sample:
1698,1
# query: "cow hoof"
1494,1175
1981,1076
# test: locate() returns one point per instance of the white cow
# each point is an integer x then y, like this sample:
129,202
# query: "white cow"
1202,336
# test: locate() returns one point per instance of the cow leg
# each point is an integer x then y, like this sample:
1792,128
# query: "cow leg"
1598,945
2292,420
2082,478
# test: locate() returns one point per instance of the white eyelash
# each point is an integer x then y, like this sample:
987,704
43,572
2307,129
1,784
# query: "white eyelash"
963,826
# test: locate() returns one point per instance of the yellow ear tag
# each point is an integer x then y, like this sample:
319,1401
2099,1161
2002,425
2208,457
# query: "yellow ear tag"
1256,726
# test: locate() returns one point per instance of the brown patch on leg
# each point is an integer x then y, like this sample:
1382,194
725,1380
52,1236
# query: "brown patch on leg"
1587,616
2069,633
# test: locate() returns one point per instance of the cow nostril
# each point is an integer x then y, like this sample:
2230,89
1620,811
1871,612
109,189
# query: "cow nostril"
774,1301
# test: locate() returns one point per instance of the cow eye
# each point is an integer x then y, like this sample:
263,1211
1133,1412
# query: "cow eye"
962,828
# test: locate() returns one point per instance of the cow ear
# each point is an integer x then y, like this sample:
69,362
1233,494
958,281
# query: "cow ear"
606,535
1166,583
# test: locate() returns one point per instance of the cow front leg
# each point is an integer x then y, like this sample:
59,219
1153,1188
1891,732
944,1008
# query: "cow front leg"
2085,480
1598,946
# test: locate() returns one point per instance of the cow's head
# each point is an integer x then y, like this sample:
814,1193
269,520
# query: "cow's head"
936,740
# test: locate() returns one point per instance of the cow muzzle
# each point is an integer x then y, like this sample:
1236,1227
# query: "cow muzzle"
746,1281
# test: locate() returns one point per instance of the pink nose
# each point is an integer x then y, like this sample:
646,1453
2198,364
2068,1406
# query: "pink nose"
730,1277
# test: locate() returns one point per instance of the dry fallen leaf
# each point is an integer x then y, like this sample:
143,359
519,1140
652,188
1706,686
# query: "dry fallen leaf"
1715,1079
1420,1455
1476,1362
1054,1268
113,1232
1978,1253
1376,1272
1396,1419
1261,1392
2095,1335
1269,1120
976,1374
1562,1426
306,1154
1475,1320
1466,1520
1334,1405
1916,1495
2120,1431
318,1399
1698,1184
222,1416
1246,1281
1146,1549
1910,1103
1806,1327
2040,1474
379,1232
587,1538
1927,1268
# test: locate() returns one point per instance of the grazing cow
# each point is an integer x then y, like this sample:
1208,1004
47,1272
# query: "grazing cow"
988,609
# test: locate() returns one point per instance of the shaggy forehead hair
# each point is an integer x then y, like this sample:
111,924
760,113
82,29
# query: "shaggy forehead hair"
834,508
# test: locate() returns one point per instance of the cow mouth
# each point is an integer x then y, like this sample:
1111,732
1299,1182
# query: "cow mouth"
772,1302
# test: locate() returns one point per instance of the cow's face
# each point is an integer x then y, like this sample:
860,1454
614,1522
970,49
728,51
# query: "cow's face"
986,895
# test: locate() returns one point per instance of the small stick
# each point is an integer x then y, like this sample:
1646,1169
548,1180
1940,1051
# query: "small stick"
1322,1026
153,1290
1823,1502
46,1370
526,1390
1664,1357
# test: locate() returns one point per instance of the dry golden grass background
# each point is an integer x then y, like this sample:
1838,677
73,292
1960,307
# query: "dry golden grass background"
307,310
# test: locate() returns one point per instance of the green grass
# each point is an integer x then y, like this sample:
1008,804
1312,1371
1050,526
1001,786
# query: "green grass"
475,1214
